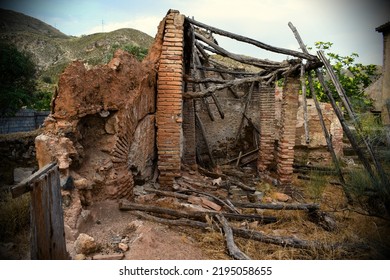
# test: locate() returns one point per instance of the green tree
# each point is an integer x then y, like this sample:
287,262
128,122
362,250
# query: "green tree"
18,82
354,78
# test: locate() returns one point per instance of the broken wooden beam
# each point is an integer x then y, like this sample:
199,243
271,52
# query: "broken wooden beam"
200,74
25,186
234,82
284,241
252,41
243,59
279,206
198,215
234,251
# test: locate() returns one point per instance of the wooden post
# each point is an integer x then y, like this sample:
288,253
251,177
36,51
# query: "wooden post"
47,221
305,123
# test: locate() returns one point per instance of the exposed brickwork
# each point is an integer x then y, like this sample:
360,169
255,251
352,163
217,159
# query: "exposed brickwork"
267,127
285,152
169,100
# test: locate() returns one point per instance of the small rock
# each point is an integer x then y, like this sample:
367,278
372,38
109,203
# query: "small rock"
116,239
69,233
142,199
82,184
85,244
124,247
80,257
281,197
255,197
217,181
253,225
267,199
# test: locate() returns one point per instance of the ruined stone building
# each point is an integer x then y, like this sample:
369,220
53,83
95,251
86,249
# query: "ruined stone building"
127,122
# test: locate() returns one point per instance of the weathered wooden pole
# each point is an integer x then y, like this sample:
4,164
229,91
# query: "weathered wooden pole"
378,166
346,128
305,121
329,141
339,115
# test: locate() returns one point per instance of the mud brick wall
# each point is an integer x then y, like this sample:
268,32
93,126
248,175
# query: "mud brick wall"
285,151
169,100
267,128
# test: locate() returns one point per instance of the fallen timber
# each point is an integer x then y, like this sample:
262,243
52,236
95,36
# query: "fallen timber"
285,241
234,251
198,215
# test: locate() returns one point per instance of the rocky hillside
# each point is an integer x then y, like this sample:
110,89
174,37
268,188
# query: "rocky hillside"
52,50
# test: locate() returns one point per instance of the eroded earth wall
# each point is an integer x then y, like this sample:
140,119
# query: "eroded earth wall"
102,130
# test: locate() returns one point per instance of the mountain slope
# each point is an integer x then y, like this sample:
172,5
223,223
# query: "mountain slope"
52,50
11,21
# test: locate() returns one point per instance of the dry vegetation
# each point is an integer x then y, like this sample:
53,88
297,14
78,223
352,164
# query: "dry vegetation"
358,236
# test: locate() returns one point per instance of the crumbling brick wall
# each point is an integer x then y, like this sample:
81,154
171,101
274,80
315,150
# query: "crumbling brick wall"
169,100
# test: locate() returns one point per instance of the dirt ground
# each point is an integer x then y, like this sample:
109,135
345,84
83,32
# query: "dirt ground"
146,240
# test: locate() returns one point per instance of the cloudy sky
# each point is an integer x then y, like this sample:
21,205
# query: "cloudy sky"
348,24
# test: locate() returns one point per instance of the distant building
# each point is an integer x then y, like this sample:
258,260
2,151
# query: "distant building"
384,101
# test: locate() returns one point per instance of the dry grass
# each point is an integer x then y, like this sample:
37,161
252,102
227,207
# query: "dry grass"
14,215
360,236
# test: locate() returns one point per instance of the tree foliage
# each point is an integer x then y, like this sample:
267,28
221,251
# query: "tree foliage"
18,82
354,78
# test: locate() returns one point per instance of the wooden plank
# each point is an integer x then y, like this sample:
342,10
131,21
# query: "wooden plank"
25,186
47,224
